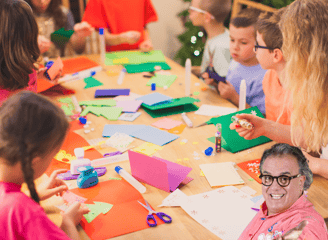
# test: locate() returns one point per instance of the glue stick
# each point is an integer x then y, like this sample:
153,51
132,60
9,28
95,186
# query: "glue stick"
187,77
134,182
242,95
102,45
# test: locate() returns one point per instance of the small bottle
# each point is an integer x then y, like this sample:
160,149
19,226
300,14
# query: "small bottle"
242,95
102,45
124,174
187,77
121,76
80,161
186,119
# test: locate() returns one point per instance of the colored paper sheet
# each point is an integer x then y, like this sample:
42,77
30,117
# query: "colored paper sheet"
64,157
146,67
54,70
61,37
248,190
252,168
129,116
178,130
91,109
148,148
111,113
130,97
210,110
154,98
171,104
73,65
52,90
126,215
167,123
70,197
120,141
157,172
129,106
69,107
101,93
75,125
225,212
99,103
162,80
133,57
174,199
221,174
72,141
96,209
111,129
43,85
92,82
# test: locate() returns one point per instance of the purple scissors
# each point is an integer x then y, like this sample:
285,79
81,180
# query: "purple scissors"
150,216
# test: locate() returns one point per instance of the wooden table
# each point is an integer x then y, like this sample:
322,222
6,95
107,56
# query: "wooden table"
183,226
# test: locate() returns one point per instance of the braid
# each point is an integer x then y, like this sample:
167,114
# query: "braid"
28,172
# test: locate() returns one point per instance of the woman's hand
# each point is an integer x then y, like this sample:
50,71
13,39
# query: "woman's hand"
146,46
83,29
257,131
130,37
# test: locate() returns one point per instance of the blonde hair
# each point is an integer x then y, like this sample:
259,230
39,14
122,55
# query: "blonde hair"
304,27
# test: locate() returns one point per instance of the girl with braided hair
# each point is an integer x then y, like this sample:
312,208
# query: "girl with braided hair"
32,130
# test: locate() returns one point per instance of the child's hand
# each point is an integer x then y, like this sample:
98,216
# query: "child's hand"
130,37
41,75
146,46
257,131
208,81
53,186
294,233
74,213
43,43
83,29
227,91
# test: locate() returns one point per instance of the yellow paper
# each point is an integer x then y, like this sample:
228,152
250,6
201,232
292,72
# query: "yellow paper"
147,148
121,61
202,173
64,157
186,159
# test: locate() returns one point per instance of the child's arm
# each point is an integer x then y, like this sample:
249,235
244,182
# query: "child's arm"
146,45
129,37
81,31
317,165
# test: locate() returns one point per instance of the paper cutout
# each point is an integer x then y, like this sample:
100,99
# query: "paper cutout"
96,209
196,93
64,157
69,107
167,123
61,37
174,199
248,190
99,103
92,82
129,106
73,65
202,173
54,70
210,110
120,141
217,210
146,67
154,98
130,97
91,109
148,148
101,93
133,57
129,116
252,168
162,80
62,207
157,172
221,174
70,197
178,130
43,85
111,113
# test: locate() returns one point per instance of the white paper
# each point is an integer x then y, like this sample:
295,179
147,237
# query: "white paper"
211,110
174,199
129,116
120,141
248,190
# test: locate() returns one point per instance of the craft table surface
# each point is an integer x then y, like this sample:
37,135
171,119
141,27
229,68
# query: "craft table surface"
182,226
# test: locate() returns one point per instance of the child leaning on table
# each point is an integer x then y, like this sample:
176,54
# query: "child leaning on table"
19,49
244,64
32,130
211,14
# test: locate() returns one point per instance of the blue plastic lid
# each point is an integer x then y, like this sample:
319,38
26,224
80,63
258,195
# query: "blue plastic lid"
93,73
49,64
117,169
208,151
101,31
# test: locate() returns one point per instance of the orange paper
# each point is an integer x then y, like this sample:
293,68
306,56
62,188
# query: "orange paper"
43,85
55,69
252,168
126,216
78,64
177,130
72,141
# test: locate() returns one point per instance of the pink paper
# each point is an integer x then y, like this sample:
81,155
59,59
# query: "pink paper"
70,197
167,123
157,172
129,106
131,97
55,68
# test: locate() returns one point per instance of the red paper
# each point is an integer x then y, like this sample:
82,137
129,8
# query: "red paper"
72,141
78,64
126,216
252,168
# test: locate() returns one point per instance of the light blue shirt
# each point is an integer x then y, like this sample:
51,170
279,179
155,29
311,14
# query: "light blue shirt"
253,77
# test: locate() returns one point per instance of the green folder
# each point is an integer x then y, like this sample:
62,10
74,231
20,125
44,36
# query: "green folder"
175,106
133,57
232,141
146,67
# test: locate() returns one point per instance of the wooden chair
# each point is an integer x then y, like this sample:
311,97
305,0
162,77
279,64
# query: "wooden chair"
238,4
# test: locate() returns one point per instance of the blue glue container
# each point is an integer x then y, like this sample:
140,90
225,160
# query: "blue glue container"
208,151
82,120
153,86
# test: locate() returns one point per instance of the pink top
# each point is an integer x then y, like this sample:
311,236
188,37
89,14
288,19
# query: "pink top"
32,86
23,218
264,227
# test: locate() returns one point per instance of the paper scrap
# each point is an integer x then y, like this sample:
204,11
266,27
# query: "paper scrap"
130,97
56,67
111,113
96,209
70,197
162,80
154,98
92,82
178,130
148,148
202,173
120,141
64,157
167,123
129,116
211,110
196,93
129,106
174,199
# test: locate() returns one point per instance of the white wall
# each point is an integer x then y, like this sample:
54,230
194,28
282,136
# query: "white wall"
164,32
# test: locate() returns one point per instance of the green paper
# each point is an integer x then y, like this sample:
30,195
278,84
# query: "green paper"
61,37
69,107
146,67
96,209
67,111
113,178
173,103
92,82
104,206
91,109
162,80
196,93
233,142
102,102
133,57
111,113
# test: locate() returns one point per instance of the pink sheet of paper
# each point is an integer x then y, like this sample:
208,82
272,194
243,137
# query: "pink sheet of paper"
129,106
167,123
55,68
70,197
157,172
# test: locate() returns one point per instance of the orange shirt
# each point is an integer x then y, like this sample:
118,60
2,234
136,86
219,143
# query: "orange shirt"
120,16
275,102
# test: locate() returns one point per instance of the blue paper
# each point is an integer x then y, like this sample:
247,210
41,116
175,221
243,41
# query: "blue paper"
111,129
154,135
154,98
255,199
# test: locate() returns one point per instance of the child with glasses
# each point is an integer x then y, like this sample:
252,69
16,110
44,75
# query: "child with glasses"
244,64
211,14
285,175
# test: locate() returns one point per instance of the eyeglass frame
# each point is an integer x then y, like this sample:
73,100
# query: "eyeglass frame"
273,178
200,10
256,46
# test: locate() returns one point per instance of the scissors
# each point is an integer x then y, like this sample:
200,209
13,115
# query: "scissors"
211,71
150,216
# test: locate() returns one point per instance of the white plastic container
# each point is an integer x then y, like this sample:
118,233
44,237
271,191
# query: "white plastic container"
134,182
80,161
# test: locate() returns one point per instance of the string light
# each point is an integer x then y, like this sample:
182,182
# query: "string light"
193,39
200,34
196,53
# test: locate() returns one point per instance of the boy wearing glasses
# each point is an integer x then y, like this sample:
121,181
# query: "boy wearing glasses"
269,54
244,64
210,14
285,175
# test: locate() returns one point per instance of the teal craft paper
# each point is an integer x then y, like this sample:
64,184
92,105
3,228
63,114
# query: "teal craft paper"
92,82
102,102
162,80
133,57
234,142
145,67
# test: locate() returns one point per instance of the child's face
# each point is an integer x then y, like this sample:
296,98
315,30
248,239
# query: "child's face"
41,164
263,55
242,42
41,5
197,18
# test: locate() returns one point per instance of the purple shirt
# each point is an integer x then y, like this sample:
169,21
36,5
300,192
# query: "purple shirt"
22,218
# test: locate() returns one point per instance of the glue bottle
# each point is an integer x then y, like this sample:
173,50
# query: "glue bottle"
80,161
102,45
134,182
